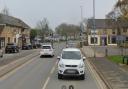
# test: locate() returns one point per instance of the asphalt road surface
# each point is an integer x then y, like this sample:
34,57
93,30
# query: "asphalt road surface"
41,73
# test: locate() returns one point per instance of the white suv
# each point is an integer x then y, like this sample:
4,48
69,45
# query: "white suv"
47,50
71,63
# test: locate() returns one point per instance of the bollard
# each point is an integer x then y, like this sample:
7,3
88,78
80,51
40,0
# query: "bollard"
125,57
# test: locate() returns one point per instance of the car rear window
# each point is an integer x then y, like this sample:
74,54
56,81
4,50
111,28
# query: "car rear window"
46,47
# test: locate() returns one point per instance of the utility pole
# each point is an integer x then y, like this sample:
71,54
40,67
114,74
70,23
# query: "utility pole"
81,32
94,29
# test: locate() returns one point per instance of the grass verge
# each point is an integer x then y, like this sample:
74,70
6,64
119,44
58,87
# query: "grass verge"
116,58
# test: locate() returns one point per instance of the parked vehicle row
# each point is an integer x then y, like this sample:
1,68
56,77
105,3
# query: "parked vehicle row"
13,48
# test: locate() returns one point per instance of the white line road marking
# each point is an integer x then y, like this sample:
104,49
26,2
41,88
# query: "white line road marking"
96,76
45,84
47,80
18,68
52,70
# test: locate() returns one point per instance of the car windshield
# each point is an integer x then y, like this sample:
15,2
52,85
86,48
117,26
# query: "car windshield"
46,47
71,55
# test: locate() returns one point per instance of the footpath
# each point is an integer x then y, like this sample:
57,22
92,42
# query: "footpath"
115,76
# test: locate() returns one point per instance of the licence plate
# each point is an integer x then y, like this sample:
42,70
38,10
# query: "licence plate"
71,71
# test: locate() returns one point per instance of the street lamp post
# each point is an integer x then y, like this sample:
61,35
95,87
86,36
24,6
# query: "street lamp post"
94,27
81,33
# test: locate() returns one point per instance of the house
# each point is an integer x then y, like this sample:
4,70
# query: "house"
13,30
105,32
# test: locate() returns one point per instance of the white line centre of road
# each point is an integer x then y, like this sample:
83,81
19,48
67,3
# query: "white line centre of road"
48,79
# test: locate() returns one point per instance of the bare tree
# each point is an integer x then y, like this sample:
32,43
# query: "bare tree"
5,11
68,30
43,26
123,6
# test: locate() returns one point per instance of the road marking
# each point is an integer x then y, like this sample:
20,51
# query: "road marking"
96,77
18,68
47,80
45,84
52,70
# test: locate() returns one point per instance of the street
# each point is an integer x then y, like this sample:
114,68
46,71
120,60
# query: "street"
41,73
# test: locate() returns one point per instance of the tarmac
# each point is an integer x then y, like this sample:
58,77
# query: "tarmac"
114,75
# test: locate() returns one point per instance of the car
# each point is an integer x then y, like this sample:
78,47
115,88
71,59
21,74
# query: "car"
47,50
11,48
27,47
71,63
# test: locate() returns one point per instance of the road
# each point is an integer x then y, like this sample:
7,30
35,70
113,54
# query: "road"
7,58
41,73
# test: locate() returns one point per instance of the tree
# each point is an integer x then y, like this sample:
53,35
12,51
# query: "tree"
68,30
33,34
123,6
5,11
43,27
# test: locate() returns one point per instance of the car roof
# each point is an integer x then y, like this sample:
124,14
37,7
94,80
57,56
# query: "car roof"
46,45
71,49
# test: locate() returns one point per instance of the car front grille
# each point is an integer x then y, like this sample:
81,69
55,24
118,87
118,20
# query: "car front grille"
71,65
71,71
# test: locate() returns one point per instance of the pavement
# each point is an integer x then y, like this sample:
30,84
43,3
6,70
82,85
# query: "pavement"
115,76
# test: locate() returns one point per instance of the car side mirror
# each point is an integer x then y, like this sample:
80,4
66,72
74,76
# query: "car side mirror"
84,58
58,57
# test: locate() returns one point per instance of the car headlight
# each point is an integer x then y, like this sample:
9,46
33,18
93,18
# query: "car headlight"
81,66
61,65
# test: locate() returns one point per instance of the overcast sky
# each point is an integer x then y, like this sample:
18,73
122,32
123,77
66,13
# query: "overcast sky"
56,11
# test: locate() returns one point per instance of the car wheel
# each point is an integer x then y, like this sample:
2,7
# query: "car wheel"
41,56
1,56
82,77
60,76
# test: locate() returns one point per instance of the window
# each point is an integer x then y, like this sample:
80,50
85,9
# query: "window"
113,31
113,40
126,38
93,40
8,39
46,47
124,29
14,40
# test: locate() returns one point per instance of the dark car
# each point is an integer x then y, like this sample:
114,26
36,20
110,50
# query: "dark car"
11,48
27,47
35,46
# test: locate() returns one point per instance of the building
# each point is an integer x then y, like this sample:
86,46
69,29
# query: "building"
105,32
13,30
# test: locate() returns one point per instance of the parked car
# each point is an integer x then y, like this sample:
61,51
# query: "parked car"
35,46
47,50
1,53
27,47
11,48
71,63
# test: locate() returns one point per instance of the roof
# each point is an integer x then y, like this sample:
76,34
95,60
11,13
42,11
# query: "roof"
100,23
9,20
71,49
107,23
